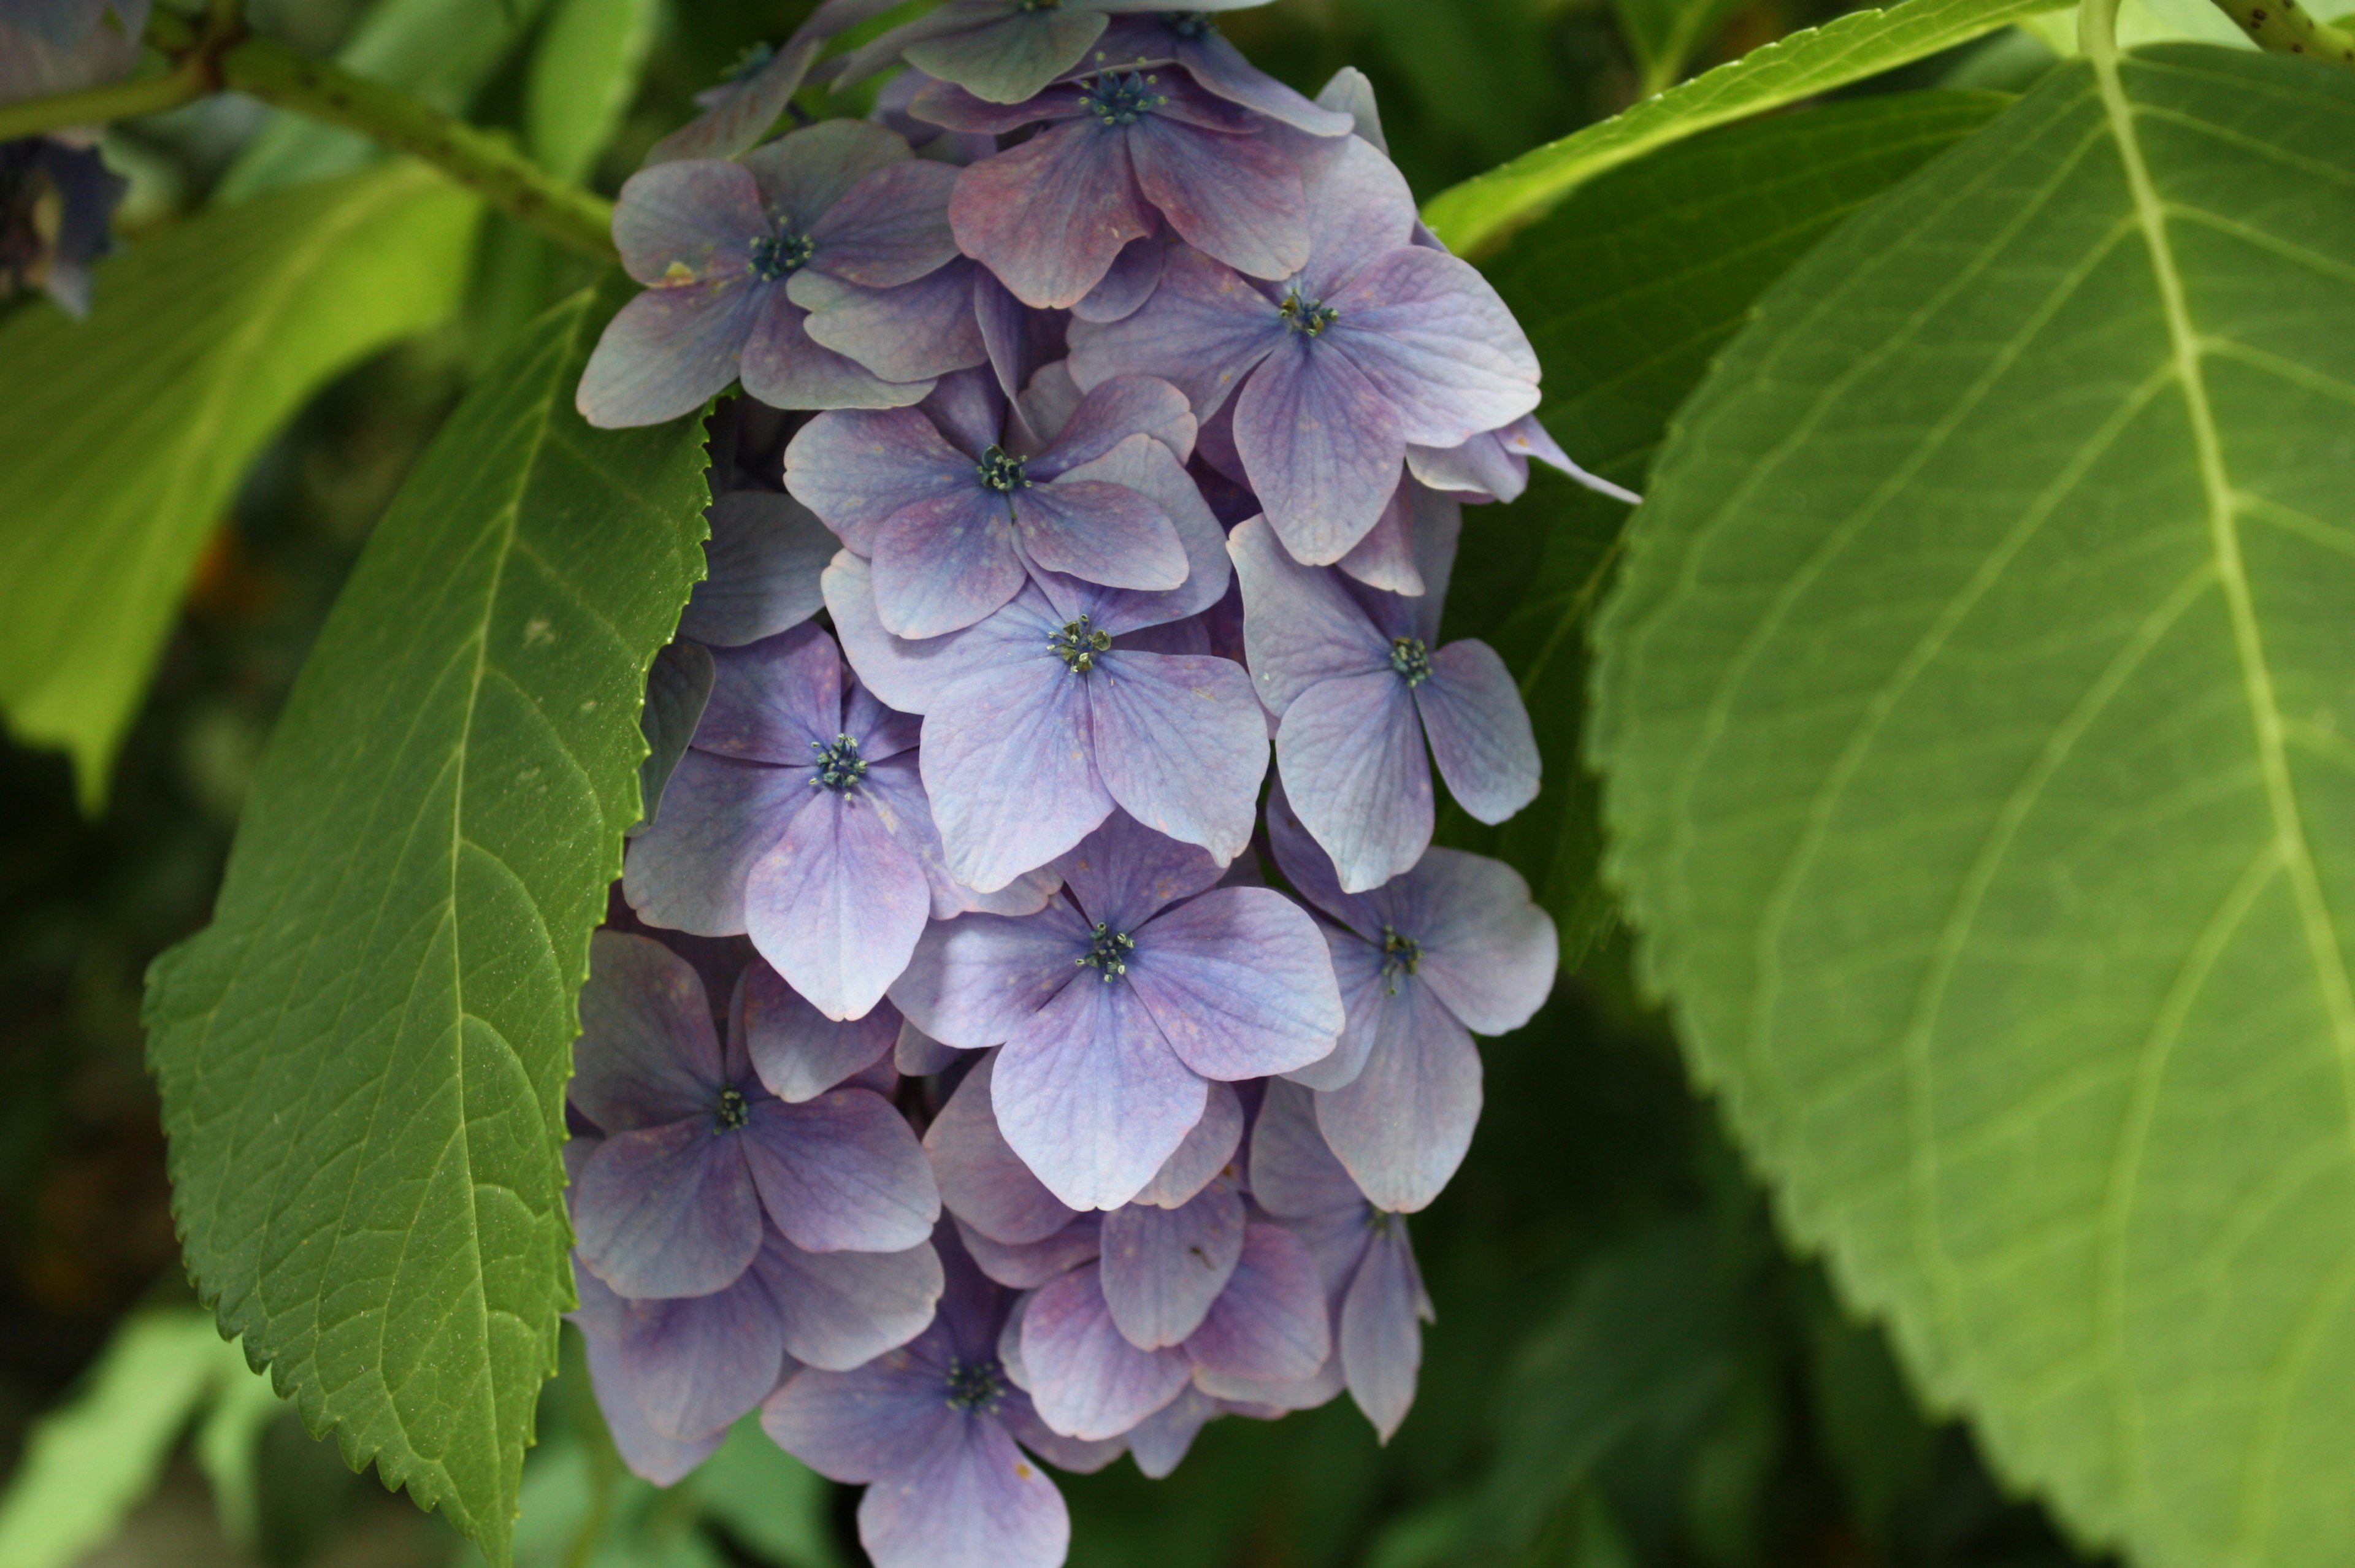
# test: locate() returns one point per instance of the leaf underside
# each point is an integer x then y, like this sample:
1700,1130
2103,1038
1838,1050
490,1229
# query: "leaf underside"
124,436
1628,289
1483,209
363,1059
1976,713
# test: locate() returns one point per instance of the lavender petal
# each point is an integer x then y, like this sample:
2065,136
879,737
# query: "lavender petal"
1208,1150
1322,444
942,565
1300,625
917,331
836,904
1203,330
841,1173
1352,754
982,1181
667,353
766,553
1163,1268
1239,981
1049,217
1479,730
977,979
1401,1127
840,1310
1270,1323
667,1211
802,174
1489,951
856,467
1235,198
1123,873
1381,1337
970,1500
647,1055
1180,744
1011,767
1086,1379
798,1051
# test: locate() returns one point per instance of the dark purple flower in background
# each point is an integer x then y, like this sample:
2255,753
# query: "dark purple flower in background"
1376,345
1116,1002
697,1150
1043,716
1004,50
952,508
1363,1253
1452,946
1356,688
1123,152
931,1430
1190,40
56,197
797,815
725,248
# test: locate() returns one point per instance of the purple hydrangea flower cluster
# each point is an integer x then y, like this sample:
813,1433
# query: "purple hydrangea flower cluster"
955,1085
57,196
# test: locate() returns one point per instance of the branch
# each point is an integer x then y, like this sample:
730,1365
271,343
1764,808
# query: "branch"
2280,25
216,54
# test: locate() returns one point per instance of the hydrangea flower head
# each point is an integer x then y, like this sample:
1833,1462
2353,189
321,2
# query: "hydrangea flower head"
1073,699
931,1430
1452,946
698,1159
734,254
1124,153
1192,41
951,506
1115,1003
1375,345
1358,686
797,815
1004,50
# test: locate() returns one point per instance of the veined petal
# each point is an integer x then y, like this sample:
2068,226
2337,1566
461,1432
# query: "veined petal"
1293,1175
1162,1268
1208,1151
916,331
720,816
856,1425
667,1211
1310,870
770,701
1300,625
977,979
968,1499
895,788
1357,969
1100,533
1204,328
766,553
841,1173
892,227
1010,763
1123,873
695,1364
1136,273
1148,468
1489,951
1048,216
1384,558
1479,732
1030,1264
1159,1441
840,1310
648,1054
695,220
803,173
1180,744
1322,444
1009,60
1221,68
1401,1127
785,369
668,352
1232,197
1112,413
1239,982
856,467
1352,754
982,1179
1086,1379
1429,331
836,904
1381,1334
645,1451
1270,1323
1092,1097
944,563
798,1051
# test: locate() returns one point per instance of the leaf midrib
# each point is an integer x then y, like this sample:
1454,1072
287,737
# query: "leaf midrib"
2324,950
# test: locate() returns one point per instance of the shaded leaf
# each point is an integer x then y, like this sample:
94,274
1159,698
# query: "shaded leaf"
1976,710
583,74
125,436
363,1059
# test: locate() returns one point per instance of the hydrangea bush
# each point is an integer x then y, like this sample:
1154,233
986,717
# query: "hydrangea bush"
1086,836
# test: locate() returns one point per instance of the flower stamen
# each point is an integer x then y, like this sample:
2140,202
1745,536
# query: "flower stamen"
1411,659
1109,954
1079,646
1400,954
839,765
1309,317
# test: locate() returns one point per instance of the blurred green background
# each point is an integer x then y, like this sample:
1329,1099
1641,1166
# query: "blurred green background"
1627,1368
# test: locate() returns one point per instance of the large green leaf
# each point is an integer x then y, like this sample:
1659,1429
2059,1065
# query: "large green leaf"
1976,713
363,1059
1474,214
123,435
1628,289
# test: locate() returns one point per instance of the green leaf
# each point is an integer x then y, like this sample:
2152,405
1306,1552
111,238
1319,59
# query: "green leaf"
771,1503
124,436
1976,710
583,74
1665,35
90,1462
1668,255
363,1059
439,50
1475,215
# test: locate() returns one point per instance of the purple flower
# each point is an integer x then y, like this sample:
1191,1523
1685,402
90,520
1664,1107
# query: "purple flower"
1123,152
735,255
1376,345
1356,688
1074,699
1004,50
931,1429
1135,986
1264,1320
797,815
682,1371
1190,40
951,506
56,202
1495,465
695,1150
1363,1253
1452,946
